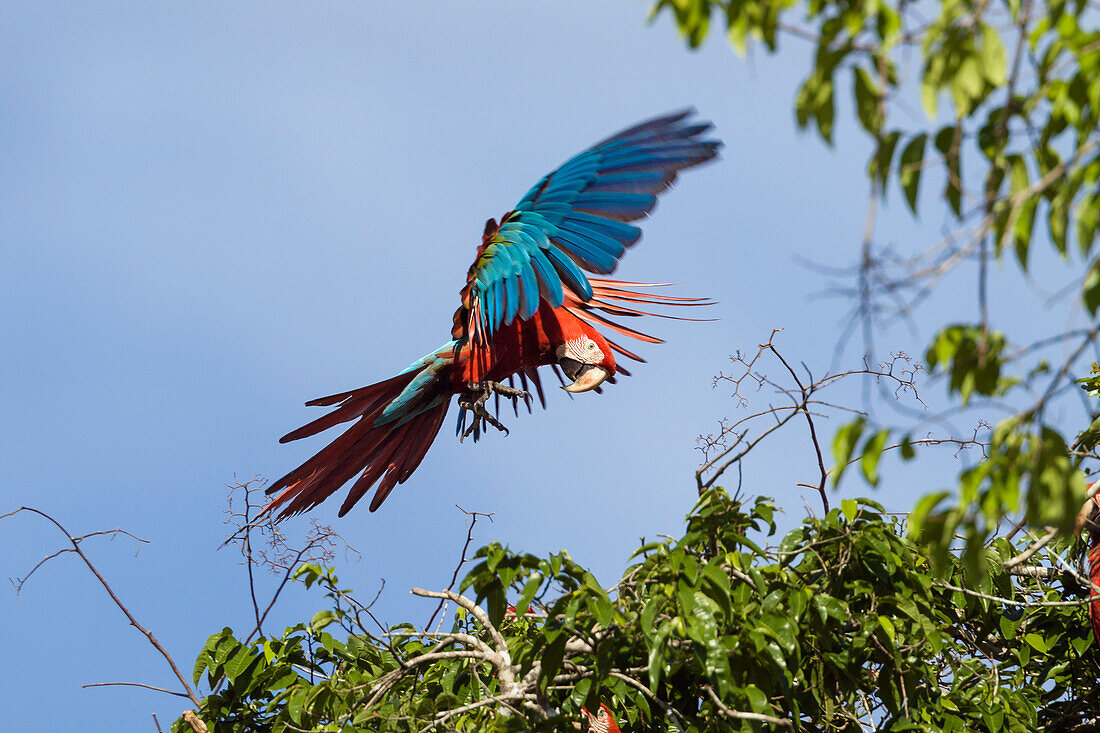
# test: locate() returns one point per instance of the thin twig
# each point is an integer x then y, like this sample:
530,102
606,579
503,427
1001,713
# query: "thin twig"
121,606
1031,550
134,684
1011,601
471,520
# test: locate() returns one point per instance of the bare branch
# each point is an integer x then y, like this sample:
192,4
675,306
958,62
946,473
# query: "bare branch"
471,521
110,591
135,684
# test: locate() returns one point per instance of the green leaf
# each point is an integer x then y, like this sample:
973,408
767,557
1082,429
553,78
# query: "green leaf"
552,655
1090,290
295,703
1019,215
238,663
948,144
968,85
657,647
868,96
529,589
322,619
909,169
825,110
888,626
580,691
784,631
844,443
908,452
738,30
879,169
923,508
308,573
1036,642
758,701
872,452
850,508
831,607
496,603
201,664
1058,221
888,24
1025,226
930,85
994,720
1087,215
993,56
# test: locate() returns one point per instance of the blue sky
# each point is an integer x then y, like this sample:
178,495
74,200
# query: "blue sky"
211,213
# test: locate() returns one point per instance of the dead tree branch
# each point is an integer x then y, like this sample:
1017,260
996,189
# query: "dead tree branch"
75,542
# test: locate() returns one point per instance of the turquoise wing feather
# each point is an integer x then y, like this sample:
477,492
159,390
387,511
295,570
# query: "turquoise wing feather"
576,220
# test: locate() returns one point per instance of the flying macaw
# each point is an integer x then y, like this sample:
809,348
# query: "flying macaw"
527,303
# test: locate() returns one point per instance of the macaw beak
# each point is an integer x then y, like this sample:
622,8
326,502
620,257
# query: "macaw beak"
585,376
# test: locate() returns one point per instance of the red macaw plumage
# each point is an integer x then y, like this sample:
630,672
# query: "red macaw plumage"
527,303
602,722
1089,519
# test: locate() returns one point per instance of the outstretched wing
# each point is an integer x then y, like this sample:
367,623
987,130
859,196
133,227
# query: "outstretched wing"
576,219
621,299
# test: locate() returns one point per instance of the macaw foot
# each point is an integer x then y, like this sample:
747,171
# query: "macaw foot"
474,400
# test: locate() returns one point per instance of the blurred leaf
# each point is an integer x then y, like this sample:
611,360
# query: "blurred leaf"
844,443
909,169
867,94
1090,291
993,56
872,452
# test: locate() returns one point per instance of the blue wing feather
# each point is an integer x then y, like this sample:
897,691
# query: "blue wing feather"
576,217
616,205
529,291
589,252
549,282
584,223
511,299
496,314
570,274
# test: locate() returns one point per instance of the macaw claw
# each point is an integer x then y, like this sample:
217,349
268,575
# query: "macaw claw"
474,400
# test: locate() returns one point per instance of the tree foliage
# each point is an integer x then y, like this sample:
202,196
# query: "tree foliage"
1011,96
837,625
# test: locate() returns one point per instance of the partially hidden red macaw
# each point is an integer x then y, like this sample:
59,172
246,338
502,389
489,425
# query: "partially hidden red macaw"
602,722
1089,519
527,303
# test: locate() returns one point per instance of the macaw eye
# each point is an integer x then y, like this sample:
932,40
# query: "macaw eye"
591,345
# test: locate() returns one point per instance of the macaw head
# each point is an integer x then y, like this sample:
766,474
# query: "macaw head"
586,358
1089,516
602,722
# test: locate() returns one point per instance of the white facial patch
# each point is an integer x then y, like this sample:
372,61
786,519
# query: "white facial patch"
600,722
582,349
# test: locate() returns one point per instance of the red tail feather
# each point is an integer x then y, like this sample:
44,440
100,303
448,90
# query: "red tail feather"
363,402
390,452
